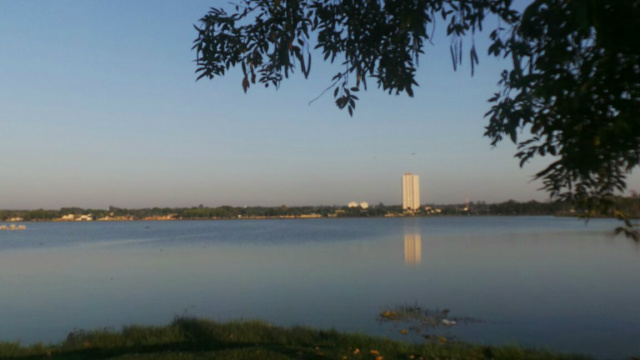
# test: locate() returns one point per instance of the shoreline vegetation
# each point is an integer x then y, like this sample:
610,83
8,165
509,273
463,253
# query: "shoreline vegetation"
192,338
627,205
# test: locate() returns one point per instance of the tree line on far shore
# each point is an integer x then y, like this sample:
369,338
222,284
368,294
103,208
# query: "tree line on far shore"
628,205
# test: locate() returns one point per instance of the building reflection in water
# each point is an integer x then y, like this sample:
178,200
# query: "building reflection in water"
412,248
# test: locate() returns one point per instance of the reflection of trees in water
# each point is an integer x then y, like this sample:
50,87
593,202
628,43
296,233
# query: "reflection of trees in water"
427,323
412,248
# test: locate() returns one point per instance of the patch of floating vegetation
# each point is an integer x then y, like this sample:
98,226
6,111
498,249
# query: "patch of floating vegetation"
424,322
13,227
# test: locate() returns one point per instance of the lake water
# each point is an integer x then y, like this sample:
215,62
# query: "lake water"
536,281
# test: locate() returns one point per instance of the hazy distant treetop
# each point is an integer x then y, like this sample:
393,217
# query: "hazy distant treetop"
572,89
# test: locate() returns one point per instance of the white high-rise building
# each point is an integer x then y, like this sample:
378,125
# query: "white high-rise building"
410,192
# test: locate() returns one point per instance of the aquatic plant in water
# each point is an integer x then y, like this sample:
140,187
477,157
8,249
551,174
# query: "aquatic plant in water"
430,324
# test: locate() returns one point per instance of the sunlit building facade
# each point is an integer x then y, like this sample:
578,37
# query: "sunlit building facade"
410,192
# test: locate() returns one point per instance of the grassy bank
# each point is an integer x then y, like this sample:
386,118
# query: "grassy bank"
187,338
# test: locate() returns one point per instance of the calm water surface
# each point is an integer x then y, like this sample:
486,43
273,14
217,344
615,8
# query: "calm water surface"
536,281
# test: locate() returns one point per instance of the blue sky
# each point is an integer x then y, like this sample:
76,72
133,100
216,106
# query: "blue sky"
99,106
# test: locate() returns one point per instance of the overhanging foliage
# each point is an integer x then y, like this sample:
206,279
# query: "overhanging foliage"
572,91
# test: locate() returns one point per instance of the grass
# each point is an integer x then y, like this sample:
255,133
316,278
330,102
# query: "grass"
191,339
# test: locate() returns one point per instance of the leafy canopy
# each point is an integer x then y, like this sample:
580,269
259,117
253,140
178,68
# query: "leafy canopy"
575,88
572,91
379,40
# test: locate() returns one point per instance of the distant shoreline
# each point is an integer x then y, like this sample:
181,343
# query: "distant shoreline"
309,218
629,207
